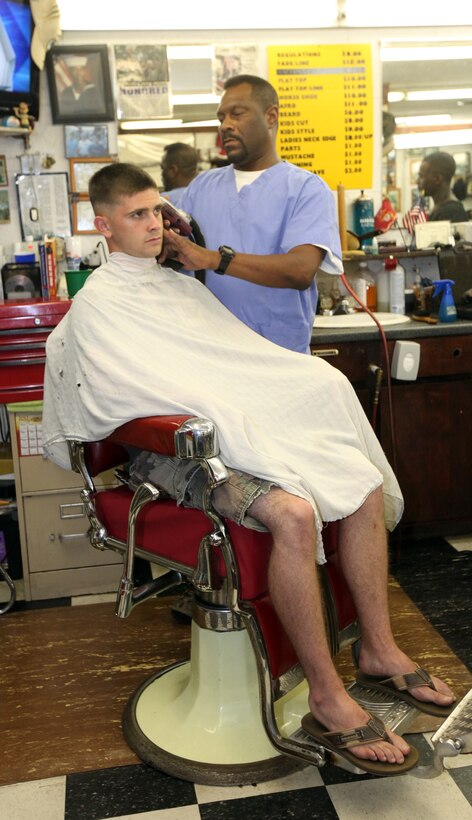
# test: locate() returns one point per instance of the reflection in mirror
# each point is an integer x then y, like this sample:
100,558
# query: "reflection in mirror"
427,107
146,150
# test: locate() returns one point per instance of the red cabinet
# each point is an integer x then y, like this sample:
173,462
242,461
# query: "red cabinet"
24,327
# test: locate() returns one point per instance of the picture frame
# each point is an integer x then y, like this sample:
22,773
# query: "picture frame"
414,170
81,170
79,84
44,204
83,216
3,171
395,197
5,213
86,141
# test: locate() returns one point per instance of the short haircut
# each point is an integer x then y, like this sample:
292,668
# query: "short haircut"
182,155
117,180
442,163
262,91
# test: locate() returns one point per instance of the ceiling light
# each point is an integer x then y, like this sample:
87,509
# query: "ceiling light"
392,54
144,125
439,94
433,119
194,99
433,139
395,96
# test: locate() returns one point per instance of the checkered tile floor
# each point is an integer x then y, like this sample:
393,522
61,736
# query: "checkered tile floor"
442,592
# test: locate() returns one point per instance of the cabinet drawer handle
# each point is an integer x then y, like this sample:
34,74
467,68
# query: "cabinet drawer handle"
72,510
329,351
72,536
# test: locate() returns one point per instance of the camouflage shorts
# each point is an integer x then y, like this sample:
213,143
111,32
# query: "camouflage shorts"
185,481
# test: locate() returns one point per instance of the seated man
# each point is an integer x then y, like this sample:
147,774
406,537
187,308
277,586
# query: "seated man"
140,340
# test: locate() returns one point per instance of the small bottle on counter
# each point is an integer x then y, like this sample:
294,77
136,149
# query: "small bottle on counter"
363,284
397,287
383,286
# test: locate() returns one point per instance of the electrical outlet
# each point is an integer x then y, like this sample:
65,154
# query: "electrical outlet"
405,361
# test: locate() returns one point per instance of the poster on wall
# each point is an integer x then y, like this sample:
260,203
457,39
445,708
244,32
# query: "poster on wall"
230,60
142,77
326,110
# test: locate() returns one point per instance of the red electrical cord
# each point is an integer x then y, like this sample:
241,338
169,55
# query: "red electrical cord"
387,363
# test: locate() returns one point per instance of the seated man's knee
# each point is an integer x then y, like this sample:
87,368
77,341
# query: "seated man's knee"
281,511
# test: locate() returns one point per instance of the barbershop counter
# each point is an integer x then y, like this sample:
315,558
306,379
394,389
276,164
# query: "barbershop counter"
431,446
407,330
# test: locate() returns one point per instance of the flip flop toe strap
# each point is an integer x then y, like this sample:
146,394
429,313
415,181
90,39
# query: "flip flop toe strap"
373,730
403,683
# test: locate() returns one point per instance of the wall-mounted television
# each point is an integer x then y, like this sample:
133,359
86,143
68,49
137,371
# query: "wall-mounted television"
19,75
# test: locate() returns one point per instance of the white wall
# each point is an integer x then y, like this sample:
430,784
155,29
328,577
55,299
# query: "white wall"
48,139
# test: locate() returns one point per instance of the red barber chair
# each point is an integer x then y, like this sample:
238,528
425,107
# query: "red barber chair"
231,714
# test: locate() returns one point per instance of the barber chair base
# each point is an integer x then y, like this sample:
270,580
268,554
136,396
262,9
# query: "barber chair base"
201,720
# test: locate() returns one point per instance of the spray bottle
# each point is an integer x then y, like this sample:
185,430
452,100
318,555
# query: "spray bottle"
447,309
364,218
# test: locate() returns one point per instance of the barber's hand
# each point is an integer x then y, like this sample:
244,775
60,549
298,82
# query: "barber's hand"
190,255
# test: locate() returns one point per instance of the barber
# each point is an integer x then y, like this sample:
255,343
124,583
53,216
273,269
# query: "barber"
271,225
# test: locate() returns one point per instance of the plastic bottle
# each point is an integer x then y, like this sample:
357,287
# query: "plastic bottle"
447,309
383,285
363,284
396,287
364,217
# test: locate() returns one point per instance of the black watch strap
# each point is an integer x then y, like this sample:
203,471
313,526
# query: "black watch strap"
226,255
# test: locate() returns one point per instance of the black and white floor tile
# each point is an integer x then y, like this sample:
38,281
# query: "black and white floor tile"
437,576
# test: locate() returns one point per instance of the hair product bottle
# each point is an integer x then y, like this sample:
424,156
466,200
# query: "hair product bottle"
397,287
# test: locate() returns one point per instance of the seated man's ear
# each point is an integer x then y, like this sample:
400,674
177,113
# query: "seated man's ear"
101,224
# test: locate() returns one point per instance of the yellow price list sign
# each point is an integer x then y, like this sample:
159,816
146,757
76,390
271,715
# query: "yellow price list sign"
326,110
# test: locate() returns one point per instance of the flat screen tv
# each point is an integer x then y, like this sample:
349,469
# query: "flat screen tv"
19,75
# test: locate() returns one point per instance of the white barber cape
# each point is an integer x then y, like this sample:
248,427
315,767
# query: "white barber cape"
142,340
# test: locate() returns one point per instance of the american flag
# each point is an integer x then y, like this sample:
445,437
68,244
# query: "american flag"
414,215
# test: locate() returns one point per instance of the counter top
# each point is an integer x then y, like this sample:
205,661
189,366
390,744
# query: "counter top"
406,330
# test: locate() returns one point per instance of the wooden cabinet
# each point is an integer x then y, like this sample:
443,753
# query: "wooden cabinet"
432,424
57,557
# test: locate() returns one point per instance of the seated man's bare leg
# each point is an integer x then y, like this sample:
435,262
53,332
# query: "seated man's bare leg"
364,559
295,592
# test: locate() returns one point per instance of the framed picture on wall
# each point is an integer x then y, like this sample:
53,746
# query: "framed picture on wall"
86,141
395,197
5,215
79,84
82,169
414,169
82,216
3,171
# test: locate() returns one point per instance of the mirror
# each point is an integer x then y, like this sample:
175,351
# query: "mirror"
146,150
428,91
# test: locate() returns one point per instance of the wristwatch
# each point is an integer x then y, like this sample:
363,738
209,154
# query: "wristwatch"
226,254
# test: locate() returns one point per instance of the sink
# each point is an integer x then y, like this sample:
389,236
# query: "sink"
359,320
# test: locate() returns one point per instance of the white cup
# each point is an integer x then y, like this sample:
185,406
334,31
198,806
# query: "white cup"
73,252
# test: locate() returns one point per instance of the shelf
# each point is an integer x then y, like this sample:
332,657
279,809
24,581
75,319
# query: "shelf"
22,133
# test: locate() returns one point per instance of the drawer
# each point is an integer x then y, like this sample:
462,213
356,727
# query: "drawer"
445,356
56,529
38,474
352,358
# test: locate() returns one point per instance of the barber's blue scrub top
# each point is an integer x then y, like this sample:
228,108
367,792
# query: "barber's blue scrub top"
284,207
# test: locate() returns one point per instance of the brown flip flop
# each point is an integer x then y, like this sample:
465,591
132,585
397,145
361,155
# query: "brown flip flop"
372,731
399,686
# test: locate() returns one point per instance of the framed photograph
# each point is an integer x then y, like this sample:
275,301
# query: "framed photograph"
395,197
82,169
43,201
79,84
5,215
82,216
86,140
414,169
3,171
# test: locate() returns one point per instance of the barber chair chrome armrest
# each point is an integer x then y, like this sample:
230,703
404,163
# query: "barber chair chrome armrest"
186,437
